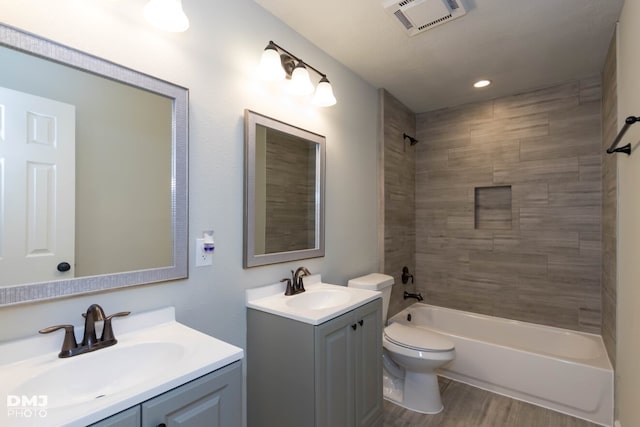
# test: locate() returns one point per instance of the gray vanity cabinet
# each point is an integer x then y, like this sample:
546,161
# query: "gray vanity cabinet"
327,375
128,418
214,400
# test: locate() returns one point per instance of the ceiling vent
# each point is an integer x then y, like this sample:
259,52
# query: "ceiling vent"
417,16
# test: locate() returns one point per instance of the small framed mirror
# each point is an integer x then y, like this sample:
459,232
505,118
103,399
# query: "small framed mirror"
283,192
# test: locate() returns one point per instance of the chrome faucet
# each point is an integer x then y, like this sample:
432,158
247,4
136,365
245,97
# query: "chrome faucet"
297,278
90,342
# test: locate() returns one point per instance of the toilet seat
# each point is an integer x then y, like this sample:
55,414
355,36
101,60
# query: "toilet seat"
418,339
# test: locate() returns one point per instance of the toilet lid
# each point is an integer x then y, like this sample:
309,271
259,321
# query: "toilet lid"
417,338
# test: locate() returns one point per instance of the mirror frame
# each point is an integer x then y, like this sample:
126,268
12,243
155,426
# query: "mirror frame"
28,43
251,259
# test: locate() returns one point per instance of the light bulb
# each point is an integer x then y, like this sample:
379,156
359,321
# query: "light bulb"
300,82
324,94
270,65
166,15
481,83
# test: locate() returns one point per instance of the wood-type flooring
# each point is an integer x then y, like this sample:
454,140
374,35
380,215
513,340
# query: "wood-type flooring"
466,406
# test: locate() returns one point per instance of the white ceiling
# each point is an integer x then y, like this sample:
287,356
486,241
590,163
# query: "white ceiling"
518,44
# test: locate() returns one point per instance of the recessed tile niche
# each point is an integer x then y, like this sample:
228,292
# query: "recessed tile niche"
492,208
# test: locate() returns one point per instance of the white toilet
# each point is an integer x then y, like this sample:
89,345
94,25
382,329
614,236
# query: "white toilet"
410,355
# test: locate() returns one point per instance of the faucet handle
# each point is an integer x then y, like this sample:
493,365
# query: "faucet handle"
69,343
107,329
305,272
118,314
289,291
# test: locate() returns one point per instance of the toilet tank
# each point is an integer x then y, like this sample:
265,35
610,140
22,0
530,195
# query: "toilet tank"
376,282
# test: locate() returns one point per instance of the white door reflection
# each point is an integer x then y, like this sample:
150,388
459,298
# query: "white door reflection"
37,188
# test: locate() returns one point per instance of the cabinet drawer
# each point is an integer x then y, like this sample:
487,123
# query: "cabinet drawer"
214,400
126,418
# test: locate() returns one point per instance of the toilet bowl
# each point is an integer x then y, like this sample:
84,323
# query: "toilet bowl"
418,352
411,355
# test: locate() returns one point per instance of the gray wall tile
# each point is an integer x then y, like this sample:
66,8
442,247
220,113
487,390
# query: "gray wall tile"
399,168
545,145
609,208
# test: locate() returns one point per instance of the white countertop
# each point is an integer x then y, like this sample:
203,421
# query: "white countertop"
271,299
25,361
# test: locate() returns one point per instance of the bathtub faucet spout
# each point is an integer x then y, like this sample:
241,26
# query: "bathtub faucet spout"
417,296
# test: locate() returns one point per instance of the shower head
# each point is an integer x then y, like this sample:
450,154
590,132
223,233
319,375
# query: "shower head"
412,140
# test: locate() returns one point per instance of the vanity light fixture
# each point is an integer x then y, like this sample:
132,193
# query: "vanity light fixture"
270,65
166,15
481,83
278,63
300,80
324,94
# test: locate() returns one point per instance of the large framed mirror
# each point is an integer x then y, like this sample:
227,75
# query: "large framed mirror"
284,192
93,173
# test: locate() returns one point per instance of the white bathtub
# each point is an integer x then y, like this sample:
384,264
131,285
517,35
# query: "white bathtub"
559,369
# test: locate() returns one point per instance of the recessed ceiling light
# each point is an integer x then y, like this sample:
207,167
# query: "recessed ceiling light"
482,83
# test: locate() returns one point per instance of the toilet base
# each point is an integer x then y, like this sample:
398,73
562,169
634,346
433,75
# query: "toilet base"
417,392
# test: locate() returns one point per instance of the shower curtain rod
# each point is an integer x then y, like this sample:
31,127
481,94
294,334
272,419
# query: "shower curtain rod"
626,148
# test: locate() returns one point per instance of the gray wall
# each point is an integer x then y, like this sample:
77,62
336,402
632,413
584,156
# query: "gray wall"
220,72
628,211
609,207
399,195
543,266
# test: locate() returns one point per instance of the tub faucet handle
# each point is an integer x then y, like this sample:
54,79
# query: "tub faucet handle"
406,275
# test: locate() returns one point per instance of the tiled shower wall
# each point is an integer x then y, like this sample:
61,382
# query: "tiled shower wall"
609,195
398,212
530,250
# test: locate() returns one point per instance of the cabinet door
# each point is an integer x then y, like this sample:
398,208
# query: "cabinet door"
335,402
368,365
127,418
280,371
214,400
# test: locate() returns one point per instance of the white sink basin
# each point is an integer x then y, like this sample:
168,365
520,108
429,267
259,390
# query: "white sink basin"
102,373
154,354
321,301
